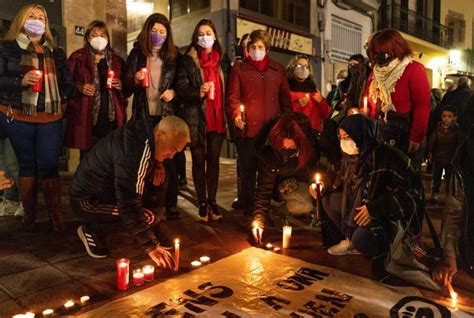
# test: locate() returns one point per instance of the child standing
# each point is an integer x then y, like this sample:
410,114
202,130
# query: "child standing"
444,141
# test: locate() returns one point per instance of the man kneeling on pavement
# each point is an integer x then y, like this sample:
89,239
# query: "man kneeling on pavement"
117,184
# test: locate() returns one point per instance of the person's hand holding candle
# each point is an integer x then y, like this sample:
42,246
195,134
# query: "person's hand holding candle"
258,226
303,101
445,269
317,96
162,257
168,95
30,78
117,84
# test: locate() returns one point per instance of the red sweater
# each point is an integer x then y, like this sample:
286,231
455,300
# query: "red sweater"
412,95
316,112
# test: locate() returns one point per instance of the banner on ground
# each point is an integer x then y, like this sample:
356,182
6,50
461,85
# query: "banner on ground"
259,283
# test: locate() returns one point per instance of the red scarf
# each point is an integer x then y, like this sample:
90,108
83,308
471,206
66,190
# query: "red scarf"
214,109
260,65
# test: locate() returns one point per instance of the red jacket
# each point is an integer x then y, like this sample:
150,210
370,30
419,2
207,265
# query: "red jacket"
79,110
412,95
316,112
263,94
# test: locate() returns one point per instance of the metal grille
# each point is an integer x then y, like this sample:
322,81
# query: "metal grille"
346,39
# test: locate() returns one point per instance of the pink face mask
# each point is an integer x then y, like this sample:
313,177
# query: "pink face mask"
34,27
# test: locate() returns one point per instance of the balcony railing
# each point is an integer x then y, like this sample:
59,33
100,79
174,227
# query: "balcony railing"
408,21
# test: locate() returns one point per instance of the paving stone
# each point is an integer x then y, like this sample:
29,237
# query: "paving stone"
33,280
9,308
20,262
86,266
3,296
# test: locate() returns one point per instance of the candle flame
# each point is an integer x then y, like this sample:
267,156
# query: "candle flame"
317,178
176,241
242,108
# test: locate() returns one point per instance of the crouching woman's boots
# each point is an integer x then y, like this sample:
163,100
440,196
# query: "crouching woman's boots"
28,192
52,197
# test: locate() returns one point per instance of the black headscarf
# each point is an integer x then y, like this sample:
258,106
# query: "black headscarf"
307,85
355,168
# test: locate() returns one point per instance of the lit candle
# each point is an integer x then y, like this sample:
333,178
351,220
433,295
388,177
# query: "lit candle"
366,108
29,315
39,84
276,249
176,255
138,277
123,273
148,272
454,297
69,304
196,264
319,202
269,246
204,259
286,236
257,233
48,312
110,77
84,299
146,80
242,113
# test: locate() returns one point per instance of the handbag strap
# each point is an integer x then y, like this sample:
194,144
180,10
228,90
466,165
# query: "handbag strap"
434,235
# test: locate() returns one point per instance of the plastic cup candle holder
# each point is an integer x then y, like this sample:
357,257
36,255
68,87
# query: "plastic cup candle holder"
148,272
146,80
39,84
110,77
276,249
138,277
123,273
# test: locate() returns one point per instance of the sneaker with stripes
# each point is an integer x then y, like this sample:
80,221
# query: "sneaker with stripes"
94,247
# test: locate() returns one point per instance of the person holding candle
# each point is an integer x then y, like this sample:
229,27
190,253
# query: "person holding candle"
204,110
398,93
111,187
284,147
260,84
95,110
305,97
150,77
377,194
33,120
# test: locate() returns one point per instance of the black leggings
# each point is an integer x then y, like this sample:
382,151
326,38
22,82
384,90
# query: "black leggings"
206,166
362,239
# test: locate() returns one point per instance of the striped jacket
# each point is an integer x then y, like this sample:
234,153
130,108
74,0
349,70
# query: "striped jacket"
115,171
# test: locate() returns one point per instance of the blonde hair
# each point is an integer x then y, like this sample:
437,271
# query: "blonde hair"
290,68
17,25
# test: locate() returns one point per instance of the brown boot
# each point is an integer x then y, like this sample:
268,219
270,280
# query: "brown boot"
52,198
28,190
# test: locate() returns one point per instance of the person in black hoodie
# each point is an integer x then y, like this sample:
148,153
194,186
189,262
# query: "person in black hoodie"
111,185
284,146
153,59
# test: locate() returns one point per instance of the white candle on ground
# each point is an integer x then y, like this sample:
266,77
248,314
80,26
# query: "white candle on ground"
286,236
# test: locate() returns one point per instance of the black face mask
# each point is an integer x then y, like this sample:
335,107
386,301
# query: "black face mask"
383,59
287,154
356,69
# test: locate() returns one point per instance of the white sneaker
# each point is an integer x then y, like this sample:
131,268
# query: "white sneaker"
343,248
8,207
19,212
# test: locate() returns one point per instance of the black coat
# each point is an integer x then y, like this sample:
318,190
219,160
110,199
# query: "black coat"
136,61
118,170
271,168
11,75
188,83
458,98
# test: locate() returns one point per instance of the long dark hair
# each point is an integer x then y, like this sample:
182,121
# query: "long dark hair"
194,39
168,51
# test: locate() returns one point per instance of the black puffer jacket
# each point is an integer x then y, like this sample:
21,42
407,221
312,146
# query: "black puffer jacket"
271,167
458,98
136,61
11,75
188,83
116,170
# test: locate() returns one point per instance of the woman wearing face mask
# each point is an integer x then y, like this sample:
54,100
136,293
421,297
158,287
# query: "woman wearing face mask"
153,60
305,97
376,187
98,106
398,92
150,76
34,84
260,85
202,85
284,146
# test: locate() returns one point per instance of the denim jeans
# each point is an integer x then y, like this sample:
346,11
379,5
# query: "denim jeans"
9,164
37,146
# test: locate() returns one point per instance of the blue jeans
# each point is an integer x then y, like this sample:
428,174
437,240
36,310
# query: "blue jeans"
37,146
9,164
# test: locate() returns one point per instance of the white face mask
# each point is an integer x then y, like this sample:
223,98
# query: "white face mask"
99,43
205,41
257,55
349,147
